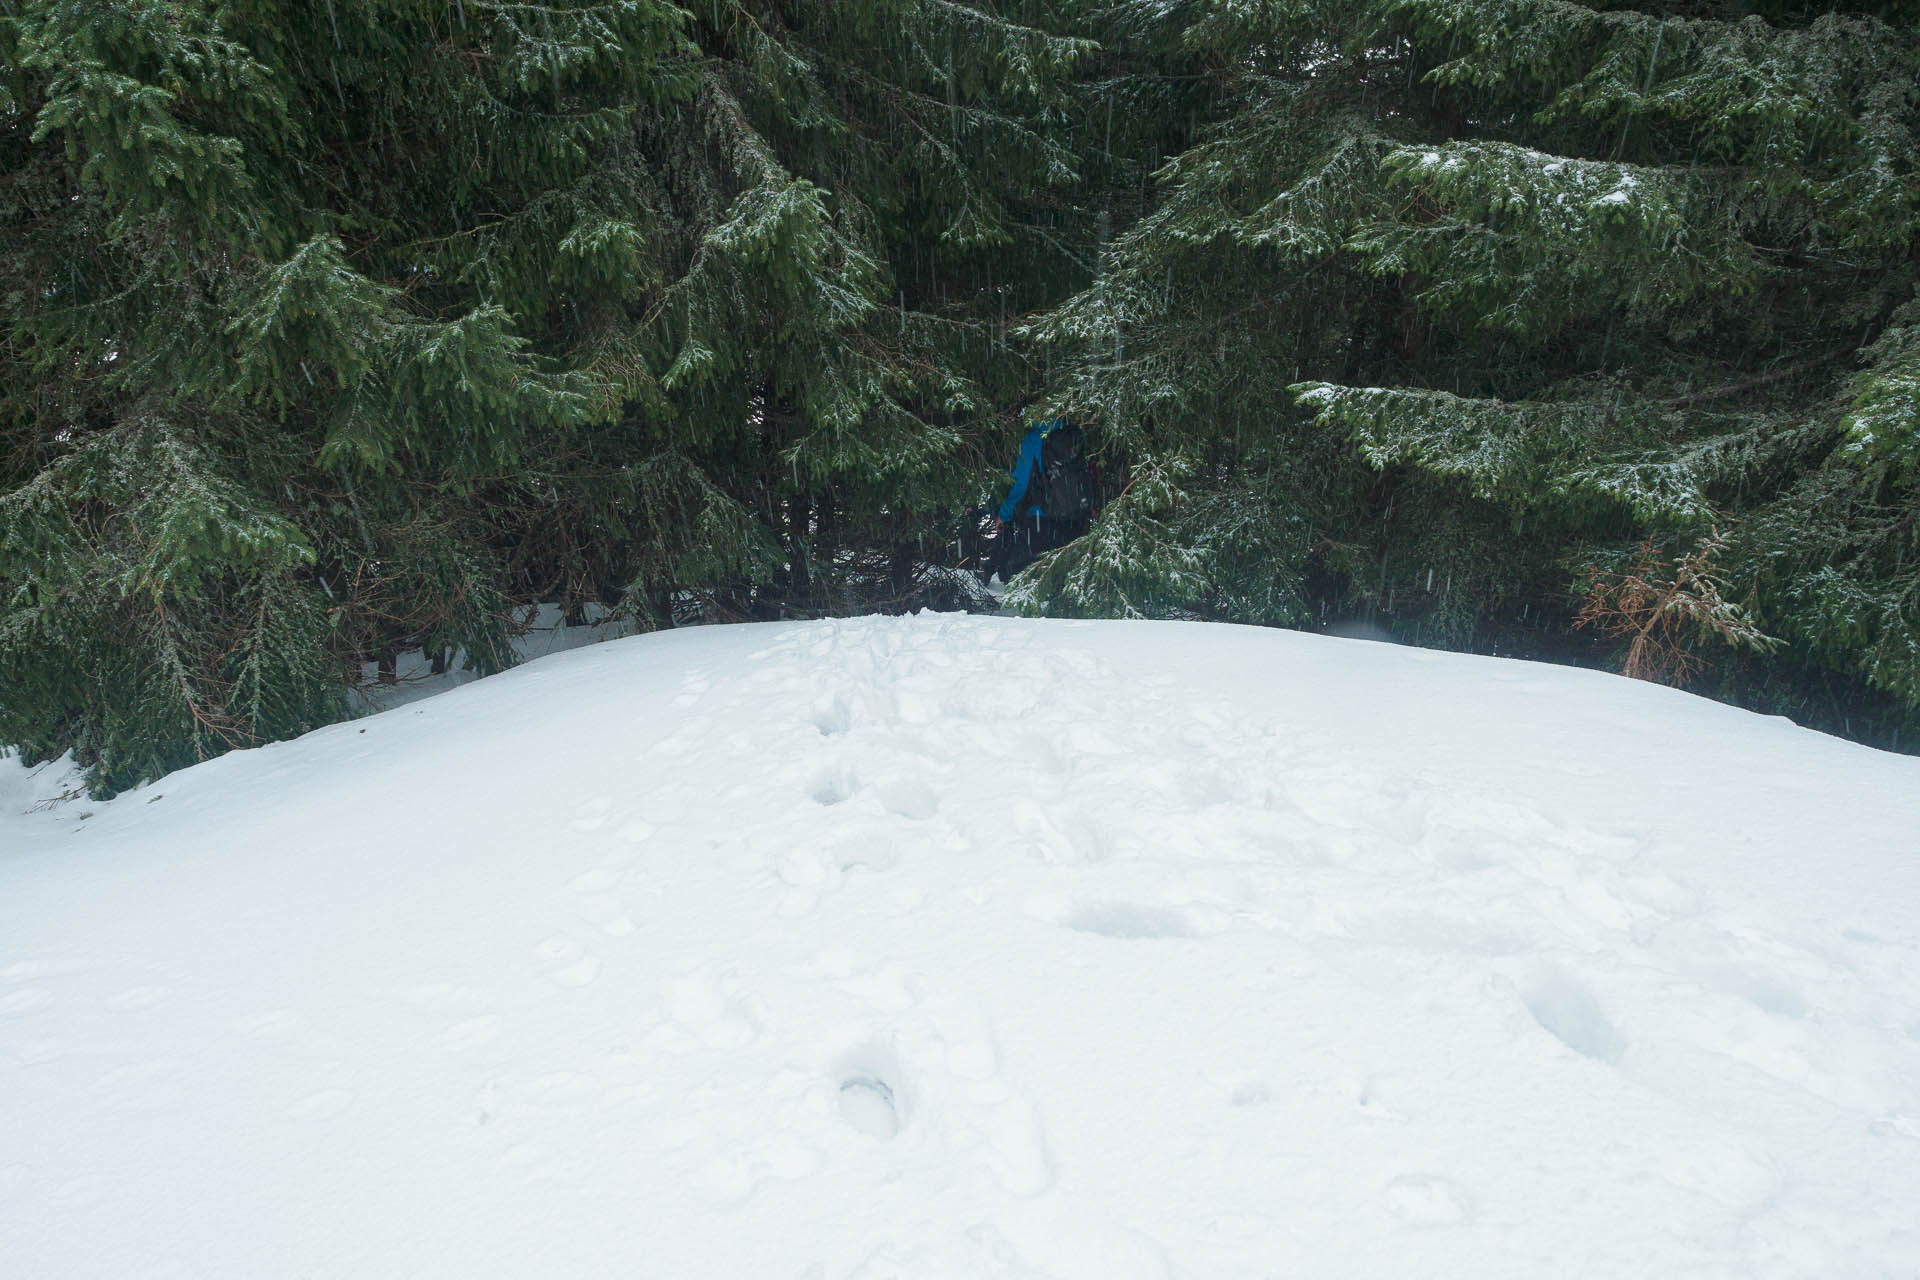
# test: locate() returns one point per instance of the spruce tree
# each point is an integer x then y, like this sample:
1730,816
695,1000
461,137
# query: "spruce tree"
287,287
1454,310
337,330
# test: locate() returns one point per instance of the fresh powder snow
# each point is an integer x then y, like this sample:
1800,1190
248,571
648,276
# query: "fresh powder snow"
950,948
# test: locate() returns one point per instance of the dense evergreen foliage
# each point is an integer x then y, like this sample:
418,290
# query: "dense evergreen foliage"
1466,313
334,330
1576,329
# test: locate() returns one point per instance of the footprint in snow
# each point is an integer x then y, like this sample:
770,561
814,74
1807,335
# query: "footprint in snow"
599,880
907,798
1374,1098
1895,1122
567,963
593,815
1044,753
731,1179
139,1085
134,999
324,1105
868,1104
472,1033
833,786
681,740
1047,1239
872,1092
832,716
1250,1093
1425,1200
867,855
1129,920
1568,1010
273,1024
1051,841
1015,1150
710,1011
39,1052
772,651
604,912
693,688
78,1193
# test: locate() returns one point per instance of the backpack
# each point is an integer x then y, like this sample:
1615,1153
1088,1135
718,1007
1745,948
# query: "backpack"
1066,481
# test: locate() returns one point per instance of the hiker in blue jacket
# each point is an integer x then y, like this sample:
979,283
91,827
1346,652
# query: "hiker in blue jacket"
1023,468
1051,472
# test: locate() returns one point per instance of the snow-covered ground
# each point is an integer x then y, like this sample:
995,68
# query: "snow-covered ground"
948,948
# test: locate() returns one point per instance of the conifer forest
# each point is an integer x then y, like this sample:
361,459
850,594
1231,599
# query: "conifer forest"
1578,330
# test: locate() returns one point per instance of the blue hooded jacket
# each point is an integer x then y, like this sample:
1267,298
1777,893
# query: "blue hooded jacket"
1025,465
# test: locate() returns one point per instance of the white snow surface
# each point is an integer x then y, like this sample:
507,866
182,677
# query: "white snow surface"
945,948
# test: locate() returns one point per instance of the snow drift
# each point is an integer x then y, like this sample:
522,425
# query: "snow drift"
973,947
